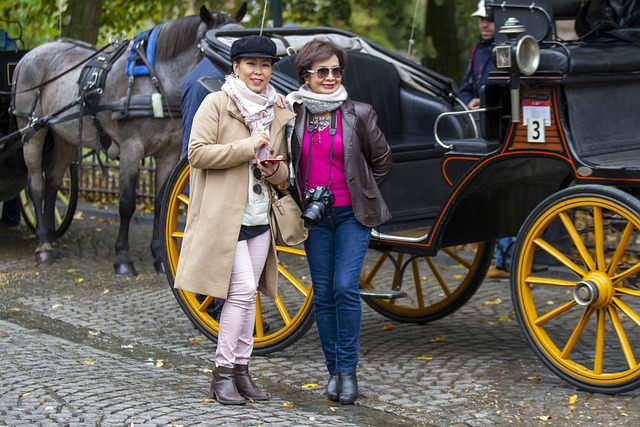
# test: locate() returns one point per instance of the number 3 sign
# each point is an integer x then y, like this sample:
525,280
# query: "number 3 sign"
535,130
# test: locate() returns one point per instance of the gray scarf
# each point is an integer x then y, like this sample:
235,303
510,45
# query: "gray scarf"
318,103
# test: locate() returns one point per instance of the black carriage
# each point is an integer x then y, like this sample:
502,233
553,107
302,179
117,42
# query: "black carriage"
13,171
553,158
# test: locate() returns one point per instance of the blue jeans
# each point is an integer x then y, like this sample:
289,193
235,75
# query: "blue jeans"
335,253
504,250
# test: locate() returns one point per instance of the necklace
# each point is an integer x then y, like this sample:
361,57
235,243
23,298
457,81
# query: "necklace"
320,123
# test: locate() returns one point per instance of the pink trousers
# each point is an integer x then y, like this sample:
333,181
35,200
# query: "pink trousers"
237,320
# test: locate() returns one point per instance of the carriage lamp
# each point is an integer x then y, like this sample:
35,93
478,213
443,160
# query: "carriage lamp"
518,54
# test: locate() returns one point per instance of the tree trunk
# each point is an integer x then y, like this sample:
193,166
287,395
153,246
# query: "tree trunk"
443,53
82,20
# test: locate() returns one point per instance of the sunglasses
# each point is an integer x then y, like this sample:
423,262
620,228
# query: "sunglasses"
257,174
323,72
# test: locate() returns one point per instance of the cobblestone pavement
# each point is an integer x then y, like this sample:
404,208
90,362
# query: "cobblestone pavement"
82,347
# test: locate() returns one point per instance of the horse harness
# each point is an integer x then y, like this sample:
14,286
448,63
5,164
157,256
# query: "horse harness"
91,84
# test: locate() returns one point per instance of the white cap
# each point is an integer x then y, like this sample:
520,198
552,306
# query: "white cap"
482,11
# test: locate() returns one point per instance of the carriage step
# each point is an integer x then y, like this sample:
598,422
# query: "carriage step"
382,294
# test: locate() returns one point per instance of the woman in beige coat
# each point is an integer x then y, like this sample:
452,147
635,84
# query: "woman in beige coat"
228,251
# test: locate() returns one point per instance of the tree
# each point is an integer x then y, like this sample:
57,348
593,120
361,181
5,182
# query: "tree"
443,35
83,20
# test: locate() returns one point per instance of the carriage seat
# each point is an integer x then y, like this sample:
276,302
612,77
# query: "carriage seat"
405,116
581,59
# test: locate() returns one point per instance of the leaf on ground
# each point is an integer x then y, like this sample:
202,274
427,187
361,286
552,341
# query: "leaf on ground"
544,417
505,319
388,327
311,385
494,302
287,404
438,339
105,291
159,363
94,333
72,270
88,362
79,280
427,358
573,399
56,306
332,408
195,340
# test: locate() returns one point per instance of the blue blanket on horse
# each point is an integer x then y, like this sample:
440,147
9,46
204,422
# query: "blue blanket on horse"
146,39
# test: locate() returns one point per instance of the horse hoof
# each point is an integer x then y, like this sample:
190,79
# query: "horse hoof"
159,266
45,257
125,269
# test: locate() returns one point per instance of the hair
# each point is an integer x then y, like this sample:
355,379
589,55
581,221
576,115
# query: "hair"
317,50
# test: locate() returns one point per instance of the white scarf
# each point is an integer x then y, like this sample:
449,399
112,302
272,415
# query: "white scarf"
256,108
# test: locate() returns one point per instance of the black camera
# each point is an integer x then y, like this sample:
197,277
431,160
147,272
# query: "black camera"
317,201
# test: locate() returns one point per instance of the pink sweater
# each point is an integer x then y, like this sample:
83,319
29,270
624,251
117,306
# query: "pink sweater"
319,176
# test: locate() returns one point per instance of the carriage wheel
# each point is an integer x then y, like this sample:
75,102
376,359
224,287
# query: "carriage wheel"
279,322
435,286
66,202
582,317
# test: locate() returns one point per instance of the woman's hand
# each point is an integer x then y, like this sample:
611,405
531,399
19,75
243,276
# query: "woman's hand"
259,140
269,168
281,101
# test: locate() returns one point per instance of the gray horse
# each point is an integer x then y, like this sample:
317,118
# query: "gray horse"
46,92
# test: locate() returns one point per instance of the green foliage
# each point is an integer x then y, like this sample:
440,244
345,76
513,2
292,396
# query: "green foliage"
16,16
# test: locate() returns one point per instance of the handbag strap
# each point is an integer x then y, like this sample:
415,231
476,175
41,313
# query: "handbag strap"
289,134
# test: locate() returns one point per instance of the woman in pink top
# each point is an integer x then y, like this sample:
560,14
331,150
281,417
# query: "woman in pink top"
341,158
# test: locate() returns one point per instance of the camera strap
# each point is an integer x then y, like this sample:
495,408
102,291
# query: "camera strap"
332,131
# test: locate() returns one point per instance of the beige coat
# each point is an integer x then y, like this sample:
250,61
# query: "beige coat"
219,151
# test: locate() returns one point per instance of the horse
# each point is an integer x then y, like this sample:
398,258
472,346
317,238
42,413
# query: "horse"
48,98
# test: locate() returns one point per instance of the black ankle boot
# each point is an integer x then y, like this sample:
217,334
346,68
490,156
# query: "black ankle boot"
333,389
246,386
223,387
348,386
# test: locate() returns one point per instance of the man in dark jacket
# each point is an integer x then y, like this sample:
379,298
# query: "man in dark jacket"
479,64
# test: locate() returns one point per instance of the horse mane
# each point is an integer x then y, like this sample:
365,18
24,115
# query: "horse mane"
177,36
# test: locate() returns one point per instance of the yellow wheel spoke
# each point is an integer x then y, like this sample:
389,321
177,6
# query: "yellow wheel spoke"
548,281
576,333
293,281
627,291
259,323
622,337
202,307
457,257
559,256
599,238
621,248
626,310
577,240
177,234
599,350
417,282
183,198
438,276
282,310
541,320
628,272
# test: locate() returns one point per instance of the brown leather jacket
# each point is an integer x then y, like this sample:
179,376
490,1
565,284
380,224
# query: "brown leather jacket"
367,159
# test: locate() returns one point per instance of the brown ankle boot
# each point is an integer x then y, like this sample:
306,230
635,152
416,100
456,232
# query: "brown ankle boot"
246,386
223,387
